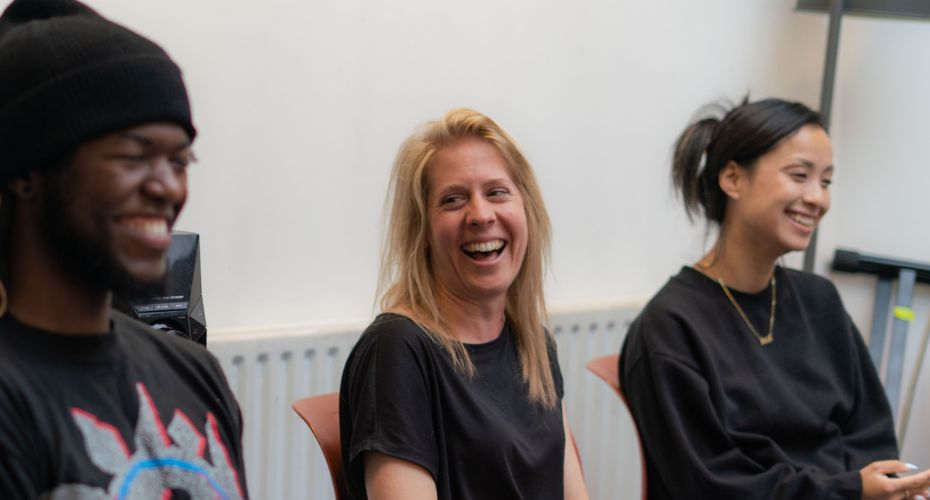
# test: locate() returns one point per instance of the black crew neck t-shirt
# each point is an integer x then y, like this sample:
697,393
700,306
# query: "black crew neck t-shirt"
480,438
128,413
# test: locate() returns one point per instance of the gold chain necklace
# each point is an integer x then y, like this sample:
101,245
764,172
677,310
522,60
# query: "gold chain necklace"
766,340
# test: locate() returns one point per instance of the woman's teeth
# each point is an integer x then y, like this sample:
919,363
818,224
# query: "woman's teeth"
487,246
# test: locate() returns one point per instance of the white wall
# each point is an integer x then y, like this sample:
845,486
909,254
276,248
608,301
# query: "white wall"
301,106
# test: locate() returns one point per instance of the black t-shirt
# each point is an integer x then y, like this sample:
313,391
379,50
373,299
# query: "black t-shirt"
723,417
132,413
480,438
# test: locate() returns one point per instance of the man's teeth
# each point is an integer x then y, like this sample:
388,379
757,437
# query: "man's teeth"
153,227
487,246
804,221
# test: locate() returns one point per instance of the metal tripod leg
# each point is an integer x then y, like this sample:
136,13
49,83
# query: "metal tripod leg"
903,316
879,320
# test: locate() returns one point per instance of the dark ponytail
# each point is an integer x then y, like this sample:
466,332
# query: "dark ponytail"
688,163
742,134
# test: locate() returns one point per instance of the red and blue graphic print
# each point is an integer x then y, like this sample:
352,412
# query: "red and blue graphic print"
178,458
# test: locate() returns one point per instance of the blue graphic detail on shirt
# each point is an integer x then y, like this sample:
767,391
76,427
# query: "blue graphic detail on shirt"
164,460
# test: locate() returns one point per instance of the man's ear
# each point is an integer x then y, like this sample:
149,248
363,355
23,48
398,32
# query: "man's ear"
732,177
26,186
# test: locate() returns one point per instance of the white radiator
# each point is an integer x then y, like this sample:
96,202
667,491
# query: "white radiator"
268,370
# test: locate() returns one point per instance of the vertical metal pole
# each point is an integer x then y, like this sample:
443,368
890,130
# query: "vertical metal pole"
826,98
829,69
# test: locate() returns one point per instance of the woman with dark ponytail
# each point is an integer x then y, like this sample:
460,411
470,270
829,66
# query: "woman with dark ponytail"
748,380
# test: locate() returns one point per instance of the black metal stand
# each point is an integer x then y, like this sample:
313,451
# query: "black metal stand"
908,273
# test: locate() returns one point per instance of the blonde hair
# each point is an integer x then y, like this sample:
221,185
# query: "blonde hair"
406,282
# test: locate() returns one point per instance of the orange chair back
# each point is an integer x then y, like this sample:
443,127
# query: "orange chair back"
321,413
607,368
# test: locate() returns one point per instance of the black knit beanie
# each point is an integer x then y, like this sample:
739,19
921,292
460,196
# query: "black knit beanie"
67,75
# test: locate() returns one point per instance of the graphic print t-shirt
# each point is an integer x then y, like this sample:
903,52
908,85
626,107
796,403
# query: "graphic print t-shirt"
131,414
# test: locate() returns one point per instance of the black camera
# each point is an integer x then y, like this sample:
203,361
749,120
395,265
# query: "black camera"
178,308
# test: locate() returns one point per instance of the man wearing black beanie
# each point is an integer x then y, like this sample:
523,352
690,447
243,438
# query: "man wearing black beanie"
95,138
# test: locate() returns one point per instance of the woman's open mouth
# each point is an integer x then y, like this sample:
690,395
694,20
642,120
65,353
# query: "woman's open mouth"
485,250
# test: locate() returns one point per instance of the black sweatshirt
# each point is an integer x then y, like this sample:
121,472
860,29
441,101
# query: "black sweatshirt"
723,417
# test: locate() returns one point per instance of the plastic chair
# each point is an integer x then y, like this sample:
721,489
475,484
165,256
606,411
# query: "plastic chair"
607,368
321,413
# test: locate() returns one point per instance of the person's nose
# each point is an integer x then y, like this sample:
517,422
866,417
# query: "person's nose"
167,181
818,196
480,212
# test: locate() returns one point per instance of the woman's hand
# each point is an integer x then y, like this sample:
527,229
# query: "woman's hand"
876,485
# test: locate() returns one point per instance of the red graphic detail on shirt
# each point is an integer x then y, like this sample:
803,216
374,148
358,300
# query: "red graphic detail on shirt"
103,426
148,399
211,424
201,441
174,458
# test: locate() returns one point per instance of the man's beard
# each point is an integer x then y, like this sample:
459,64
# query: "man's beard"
80,256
